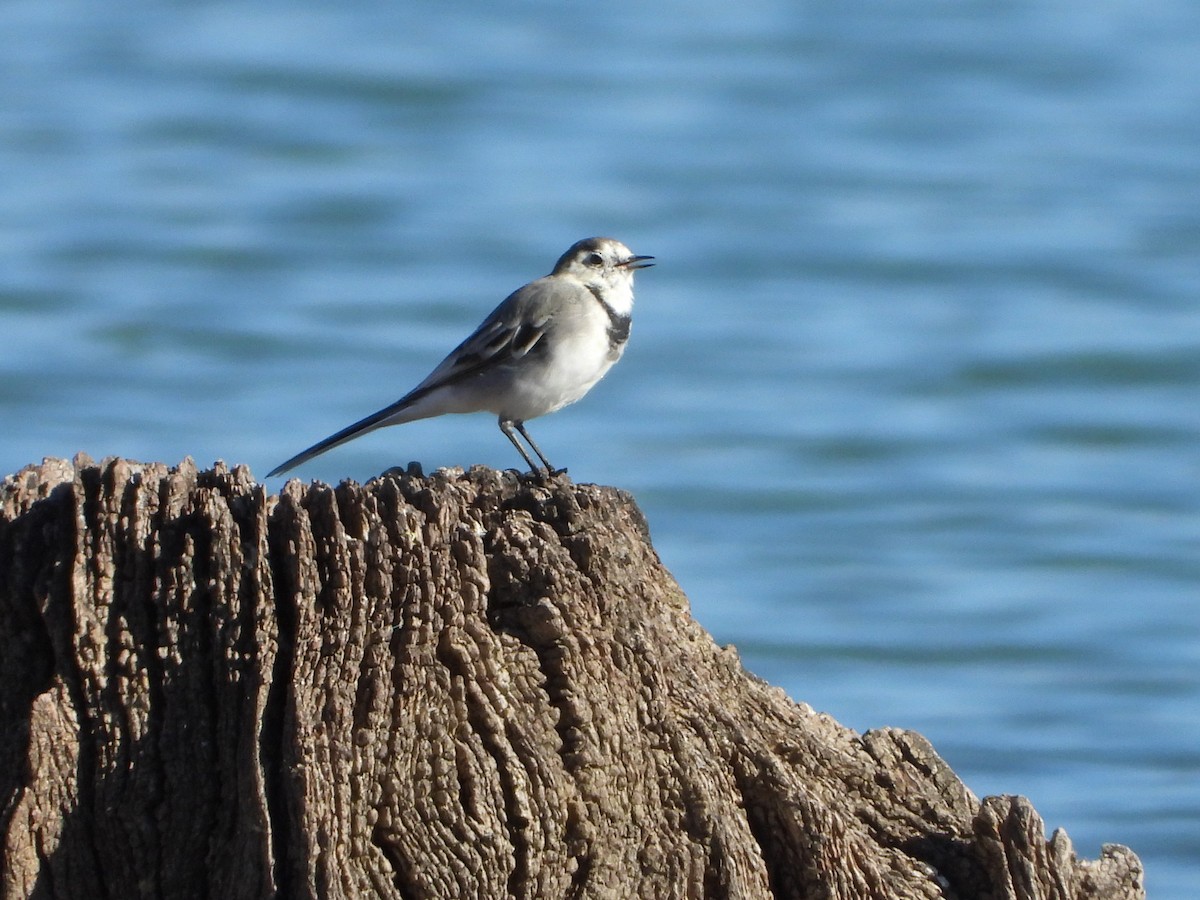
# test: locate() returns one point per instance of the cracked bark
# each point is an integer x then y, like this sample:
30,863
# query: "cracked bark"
466,685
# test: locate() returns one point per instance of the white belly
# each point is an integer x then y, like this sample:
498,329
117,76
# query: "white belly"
562,377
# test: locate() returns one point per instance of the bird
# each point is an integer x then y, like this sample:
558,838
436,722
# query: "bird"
542,348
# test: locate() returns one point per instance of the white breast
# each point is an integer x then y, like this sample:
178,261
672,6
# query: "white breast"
578,353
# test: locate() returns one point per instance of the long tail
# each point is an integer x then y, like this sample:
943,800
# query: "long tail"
385,416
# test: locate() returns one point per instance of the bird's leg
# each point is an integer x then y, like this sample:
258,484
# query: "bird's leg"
506,425
538,450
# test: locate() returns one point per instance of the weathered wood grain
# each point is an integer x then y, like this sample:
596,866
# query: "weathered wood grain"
465,685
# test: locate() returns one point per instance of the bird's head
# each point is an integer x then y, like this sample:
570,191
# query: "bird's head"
602,264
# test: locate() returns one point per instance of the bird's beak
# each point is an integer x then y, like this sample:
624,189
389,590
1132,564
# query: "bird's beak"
637,262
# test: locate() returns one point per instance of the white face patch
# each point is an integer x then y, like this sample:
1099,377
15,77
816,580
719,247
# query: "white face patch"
605,267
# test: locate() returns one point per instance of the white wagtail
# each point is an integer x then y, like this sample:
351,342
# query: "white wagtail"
541,349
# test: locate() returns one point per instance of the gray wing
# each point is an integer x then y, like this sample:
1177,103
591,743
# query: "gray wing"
512,330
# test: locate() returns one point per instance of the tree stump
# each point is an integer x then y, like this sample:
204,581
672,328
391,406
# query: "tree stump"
461,685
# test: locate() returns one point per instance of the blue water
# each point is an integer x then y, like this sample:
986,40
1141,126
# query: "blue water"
912,401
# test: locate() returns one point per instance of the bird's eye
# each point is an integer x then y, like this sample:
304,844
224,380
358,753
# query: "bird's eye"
593,259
